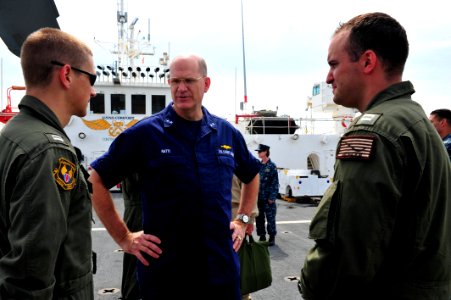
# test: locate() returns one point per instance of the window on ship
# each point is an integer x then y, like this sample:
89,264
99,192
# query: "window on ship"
97,104
158,103
139,104
118,104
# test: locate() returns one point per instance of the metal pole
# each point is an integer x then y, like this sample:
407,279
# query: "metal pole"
244,56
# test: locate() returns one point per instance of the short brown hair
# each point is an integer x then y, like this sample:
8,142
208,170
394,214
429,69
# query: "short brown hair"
45,45
442,113
381,33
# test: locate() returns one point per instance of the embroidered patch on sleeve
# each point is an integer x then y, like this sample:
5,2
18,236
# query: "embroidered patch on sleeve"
65,174
358,147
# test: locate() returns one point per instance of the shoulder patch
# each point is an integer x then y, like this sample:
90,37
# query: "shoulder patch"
356,147
64,174
368,119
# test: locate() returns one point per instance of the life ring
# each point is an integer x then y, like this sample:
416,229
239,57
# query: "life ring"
346,121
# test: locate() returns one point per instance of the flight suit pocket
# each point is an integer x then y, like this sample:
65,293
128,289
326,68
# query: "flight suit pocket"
321,227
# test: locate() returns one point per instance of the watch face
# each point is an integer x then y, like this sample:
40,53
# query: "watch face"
245,218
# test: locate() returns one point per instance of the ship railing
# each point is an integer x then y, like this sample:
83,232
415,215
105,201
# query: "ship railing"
131,83
255,124
138,75
9,111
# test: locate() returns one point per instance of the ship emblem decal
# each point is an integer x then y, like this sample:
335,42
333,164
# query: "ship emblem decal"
114,128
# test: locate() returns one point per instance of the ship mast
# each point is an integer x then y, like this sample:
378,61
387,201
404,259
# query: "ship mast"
129,46
244,58
122,19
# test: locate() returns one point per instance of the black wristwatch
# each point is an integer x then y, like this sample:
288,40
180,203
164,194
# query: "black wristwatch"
243,218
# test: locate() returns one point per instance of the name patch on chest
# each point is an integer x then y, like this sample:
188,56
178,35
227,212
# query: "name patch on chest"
356,147
225,149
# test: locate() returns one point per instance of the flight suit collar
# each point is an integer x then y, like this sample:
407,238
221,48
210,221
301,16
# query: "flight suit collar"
402,89
32,105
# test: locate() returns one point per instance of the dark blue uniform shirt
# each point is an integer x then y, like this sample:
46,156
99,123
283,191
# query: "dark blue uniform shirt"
185,177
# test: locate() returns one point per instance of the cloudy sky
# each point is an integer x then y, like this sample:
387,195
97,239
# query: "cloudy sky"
286,44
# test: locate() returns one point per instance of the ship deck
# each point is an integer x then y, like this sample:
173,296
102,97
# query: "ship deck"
287,256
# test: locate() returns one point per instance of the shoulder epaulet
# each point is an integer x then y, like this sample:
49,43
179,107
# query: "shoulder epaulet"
368,119
55,138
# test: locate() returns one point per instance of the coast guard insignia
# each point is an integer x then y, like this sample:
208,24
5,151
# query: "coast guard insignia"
65,174
225,150
357,147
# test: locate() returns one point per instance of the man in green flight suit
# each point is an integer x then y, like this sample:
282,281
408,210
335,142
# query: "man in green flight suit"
45,207
382,229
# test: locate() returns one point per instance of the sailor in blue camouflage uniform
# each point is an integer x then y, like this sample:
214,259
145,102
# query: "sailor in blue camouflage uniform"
382,229
267,195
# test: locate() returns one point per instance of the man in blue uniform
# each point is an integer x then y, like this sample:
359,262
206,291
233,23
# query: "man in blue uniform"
382,229
185,159
267,195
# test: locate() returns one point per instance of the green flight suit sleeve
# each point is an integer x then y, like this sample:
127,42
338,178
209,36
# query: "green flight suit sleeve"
354,223
38,214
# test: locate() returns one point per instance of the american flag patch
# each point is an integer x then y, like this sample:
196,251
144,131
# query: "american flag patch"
358,147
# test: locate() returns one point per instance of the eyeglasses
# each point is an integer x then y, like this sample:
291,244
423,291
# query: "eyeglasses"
92,77
186,81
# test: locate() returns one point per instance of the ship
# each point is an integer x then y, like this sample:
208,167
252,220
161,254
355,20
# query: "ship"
127,91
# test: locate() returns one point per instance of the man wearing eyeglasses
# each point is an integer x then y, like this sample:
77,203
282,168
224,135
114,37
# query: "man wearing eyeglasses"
45,207
185,159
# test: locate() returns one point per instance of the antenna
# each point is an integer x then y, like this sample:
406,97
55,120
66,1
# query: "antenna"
244,56
148,30
131,46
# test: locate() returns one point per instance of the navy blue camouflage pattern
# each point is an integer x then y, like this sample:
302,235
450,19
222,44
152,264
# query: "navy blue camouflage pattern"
269,188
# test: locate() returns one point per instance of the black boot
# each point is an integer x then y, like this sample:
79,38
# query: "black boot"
262,238
271,241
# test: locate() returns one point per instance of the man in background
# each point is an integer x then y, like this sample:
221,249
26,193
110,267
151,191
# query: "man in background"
133,220
267,195
441,119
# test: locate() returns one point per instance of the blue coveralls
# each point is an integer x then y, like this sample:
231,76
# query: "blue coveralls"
185,181
269,188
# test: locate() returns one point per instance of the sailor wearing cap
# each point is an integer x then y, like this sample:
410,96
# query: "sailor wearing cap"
269,188
262,148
